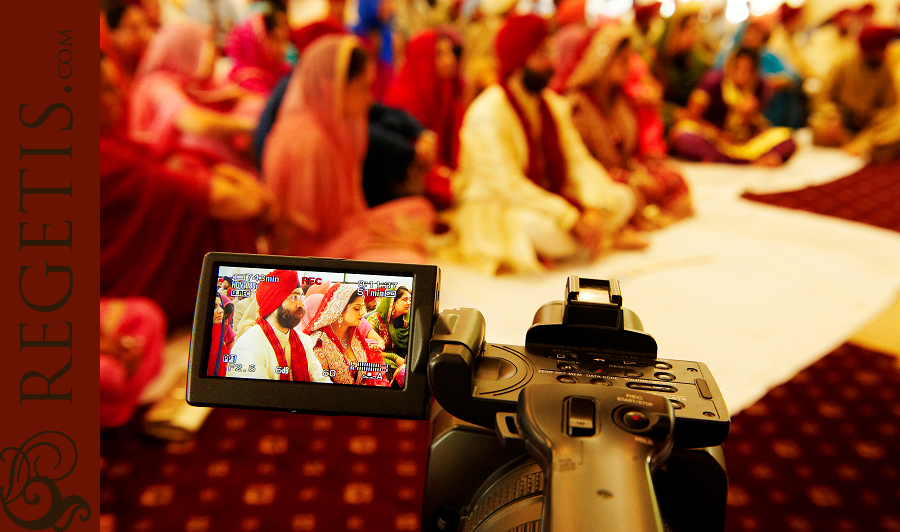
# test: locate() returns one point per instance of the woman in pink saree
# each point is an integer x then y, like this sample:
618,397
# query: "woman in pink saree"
175,104
313,164
257,45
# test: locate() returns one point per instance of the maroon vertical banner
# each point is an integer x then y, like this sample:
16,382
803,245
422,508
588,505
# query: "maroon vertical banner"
49,401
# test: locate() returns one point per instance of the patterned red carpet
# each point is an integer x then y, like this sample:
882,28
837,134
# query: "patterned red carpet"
263,471
871,196
819,453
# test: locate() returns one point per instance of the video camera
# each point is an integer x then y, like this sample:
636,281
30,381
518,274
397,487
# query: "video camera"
582,428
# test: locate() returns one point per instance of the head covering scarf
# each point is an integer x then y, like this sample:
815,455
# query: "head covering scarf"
303,36
570,44
329,348
399,335
301,164
679,80
644,13
255,69
435,102
370,22
570,12
614,135
171,61
311,305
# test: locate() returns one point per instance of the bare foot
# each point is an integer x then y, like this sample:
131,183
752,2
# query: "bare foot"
771,160
631,239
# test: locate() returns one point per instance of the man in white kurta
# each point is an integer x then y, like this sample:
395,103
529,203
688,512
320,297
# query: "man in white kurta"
503,217
254,354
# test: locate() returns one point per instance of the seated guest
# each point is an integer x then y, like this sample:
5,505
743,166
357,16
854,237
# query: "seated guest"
258,46
479,61
175,105
128,32
790,40
313,162
301,38
157,221
786,105
273,349
646,29
220,15
222,337
832,42
429,87
527,190
390,322
132,339
609,124
339,344
857,107
375,28
681,60
723,122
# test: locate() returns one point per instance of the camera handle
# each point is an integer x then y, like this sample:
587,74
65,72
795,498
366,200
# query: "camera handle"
597,447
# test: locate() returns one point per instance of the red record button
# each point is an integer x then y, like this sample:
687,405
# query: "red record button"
635,419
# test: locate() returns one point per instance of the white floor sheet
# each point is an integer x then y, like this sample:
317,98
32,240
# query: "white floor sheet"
754,291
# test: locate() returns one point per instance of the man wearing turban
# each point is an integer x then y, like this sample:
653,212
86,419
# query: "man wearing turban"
858,106
528,191
274,348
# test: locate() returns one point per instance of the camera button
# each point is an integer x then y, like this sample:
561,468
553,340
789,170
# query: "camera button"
676,404
567,379
563,366
663,365
664,376
635,419
703,388
633,374
601,381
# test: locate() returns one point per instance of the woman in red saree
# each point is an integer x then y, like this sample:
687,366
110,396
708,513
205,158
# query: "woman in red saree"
429,86
339,344
610,126
313,163
157,221
257,45
175,104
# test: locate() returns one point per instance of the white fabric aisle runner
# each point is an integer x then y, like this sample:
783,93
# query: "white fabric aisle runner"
810,166
754,291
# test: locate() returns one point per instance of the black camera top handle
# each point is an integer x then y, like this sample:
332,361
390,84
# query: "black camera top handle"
598,447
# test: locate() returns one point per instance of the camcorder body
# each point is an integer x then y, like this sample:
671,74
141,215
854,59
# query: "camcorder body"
581,428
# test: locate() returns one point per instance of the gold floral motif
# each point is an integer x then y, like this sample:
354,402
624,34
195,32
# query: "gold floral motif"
157,495
219,468
236,423
208,494
407,468
259,494
358,493
303,523
250,524
181,447
355,522
322,423
406,521
314,468
273,444
197,523
363,444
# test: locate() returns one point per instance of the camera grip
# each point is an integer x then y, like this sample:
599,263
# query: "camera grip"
598,447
